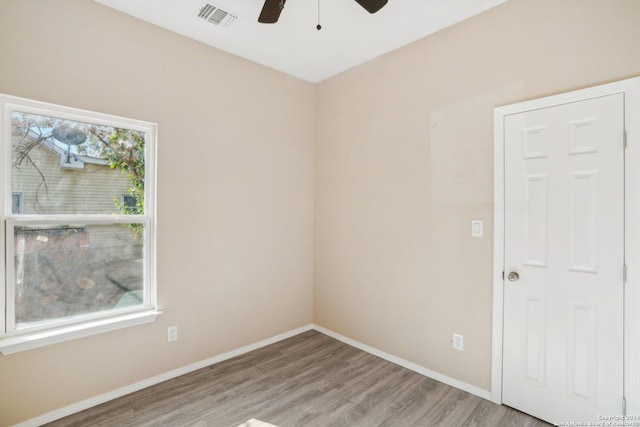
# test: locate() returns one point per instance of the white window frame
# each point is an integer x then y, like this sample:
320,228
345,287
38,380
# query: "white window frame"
13,340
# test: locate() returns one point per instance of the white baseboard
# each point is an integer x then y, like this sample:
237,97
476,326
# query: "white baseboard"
485,394
97,400
94,401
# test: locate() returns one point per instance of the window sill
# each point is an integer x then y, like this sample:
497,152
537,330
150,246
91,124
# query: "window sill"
25,342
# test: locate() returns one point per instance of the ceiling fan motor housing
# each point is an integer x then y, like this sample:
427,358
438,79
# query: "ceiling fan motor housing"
272,8
372,6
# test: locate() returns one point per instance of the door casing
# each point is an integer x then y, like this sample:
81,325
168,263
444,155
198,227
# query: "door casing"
631,90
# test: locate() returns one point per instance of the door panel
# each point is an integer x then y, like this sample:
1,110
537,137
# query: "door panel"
564,236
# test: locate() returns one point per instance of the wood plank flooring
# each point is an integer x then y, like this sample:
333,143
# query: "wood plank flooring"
305,381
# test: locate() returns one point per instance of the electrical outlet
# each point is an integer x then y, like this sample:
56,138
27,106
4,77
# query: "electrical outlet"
172,333
458,342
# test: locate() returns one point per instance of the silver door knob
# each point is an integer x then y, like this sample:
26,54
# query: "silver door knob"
513,276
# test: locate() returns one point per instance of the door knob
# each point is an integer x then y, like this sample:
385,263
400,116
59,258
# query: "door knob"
513,276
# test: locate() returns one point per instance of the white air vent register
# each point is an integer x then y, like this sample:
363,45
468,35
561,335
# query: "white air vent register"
216,15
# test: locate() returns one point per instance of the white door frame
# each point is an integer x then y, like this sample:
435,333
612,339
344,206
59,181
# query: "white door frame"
631,90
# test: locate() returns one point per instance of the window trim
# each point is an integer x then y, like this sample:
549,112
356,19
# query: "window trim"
15,344
12,341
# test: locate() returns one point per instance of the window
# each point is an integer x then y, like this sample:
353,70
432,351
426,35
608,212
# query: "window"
79,239
129,203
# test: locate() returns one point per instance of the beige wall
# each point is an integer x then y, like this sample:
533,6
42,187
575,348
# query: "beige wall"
235,192
404,161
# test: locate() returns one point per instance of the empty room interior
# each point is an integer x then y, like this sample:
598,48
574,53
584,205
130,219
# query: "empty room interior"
326,197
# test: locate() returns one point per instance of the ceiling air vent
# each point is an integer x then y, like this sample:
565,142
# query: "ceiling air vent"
216,15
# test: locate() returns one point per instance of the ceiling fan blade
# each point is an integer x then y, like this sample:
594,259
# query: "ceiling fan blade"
271,11
372,6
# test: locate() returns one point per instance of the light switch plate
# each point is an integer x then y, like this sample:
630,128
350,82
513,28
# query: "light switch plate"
172,333
477,228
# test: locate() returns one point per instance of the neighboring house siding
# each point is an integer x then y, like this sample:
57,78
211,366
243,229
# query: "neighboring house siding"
90,190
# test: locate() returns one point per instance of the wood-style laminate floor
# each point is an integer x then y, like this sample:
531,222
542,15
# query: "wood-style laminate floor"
304,381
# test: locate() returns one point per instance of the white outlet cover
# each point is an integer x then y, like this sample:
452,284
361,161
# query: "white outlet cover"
458,342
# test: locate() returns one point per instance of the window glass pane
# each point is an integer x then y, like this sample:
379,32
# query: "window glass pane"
68,167
71,270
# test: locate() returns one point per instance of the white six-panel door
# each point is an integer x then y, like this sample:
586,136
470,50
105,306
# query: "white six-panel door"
563,340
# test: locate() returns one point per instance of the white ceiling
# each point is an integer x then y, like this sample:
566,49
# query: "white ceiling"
349,35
